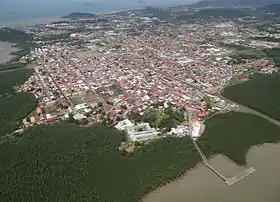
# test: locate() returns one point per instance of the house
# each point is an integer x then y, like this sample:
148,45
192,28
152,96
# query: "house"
50,117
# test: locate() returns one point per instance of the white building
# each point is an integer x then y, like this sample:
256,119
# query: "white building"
196,129
79,116
180,131
122,124
80,106
141,132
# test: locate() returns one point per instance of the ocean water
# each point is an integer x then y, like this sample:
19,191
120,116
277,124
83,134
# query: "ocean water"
13,11
36,11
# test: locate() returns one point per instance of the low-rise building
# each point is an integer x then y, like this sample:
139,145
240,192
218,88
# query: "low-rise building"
80,106
141,132
79,116
123,124
180,131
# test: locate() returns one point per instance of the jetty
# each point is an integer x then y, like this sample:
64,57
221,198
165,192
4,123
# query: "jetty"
228,180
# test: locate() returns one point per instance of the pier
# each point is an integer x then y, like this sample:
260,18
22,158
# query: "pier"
229,181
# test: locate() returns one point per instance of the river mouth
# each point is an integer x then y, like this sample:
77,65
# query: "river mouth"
201,185
5,52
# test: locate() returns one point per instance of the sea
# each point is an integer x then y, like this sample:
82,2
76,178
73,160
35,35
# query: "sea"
21,12
25,12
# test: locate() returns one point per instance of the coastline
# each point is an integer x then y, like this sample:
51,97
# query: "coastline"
46,20
199,179
6,50
30,22
199,166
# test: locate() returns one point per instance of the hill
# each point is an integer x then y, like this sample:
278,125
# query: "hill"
232,3
219,13
78,15
273,9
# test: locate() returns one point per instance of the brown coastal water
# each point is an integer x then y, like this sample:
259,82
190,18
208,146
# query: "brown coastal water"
5,51
200,185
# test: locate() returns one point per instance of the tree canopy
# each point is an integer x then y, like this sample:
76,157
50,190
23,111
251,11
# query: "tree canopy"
63,162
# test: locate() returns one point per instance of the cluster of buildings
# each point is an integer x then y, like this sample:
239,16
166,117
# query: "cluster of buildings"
127,63
144,132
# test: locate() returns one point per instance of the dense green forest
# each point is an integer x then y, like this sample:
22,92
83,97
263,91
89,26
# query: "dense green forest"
11,65
274,54
63,162
165,119
261,92
21,40
14,35
10,79
67,163
242,55
232,134
13,108
219,13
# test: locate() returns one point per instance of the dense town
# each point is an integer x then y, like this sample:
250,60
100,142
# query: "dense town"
152,104
115,67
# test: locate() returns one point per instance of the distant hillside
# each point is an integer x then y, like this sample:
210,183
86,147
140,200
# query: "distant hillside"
219,12
77,15
232,3
271,9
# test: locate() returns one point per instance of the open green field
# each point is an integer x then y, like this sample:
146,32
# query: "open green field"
261,92
63,162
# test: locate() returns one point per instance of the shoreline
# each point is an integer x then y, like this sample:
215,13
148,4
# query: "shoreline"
184,188
45,20
6,50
